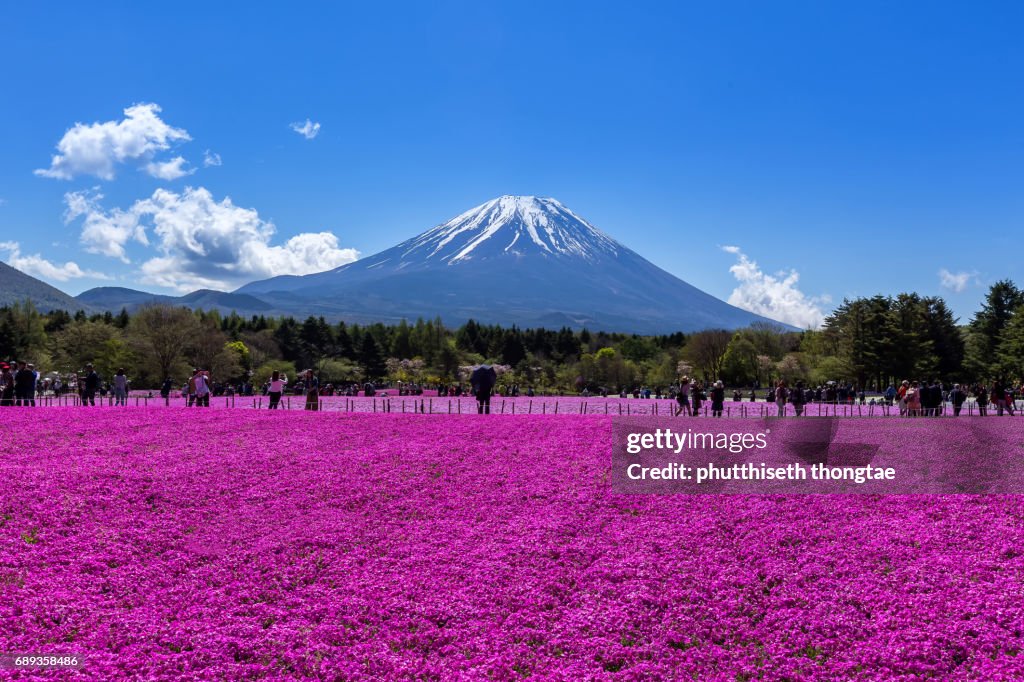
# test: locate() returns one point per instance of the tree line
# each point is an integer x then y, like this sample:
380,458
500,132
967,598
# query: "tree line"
868,342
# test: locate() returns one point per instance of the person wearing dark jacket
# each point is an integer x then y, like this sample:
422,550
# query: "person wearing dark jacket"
24,386
957,397
997,397
92,385
483,380
717,399
697,395
798,398
981,396
937,398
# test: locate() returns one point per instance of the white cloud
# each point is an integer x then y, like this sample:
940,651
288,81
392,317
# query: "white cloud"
774,296
41,267
106,233
169,170
97,148
308,130
203,243
955,281
211,159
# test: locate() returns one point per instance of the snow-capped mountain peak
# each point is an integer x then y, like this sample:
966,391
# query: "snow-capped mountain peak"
511,225
521,260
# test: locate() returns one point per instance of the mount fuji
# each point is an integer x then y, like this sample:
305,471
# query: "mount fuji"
521,260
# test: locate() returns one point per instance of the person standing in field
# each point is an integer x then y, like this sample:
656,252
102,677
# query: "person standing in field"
190,388
717,399
22,385
202,383
33,386
913,398
6,385
683,397
312,387
276,388
120,387
798,398
937,401
90,386
925,394
957,398
901,395
697,395
981,397
997,396
781,395
482,381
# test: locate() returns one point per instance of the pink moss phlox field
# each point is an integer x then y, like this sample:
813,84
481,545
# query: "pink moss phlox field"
236,544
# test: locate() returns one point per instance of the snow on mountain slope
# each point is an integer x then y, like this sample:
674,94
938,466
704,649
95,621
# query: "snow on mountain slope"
511,225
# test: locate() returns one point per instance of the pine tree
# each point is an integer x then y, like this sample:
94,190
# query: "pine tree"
371,358
343,342
287,337
1010,351
513,350
987,327
401,342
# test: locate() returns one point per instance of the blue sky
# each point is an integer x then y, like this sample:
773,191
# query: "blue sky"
867,146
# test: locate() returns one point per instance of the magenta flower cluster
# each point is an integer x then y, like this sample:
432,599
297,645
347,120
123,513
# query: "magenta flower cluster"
237,544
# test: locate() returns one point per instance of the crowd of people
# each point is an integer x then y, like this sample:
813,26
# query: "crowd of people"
21,385
200,387
912,398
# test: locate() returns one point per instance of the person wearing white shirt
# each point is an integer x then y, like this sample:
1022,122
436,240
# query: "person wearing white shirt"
277,384
202,389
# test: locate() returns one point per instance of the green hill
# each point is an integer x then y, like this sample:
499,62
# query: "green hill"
17,287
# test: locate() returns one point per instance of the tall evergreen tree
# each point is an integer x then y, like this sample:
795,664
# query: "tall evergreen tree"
513,350
987,327
343,342
371,358
401,341
287,337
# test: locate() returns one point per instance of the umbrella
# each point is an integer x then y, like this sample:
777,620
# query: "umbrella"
483,378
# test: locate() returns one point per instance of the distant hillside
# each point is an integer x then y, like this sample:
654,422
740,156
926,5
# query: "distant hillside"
115,298
17,287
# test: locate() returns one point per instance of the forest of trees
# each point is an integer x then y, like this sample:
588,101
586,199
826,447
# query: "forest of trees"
869,342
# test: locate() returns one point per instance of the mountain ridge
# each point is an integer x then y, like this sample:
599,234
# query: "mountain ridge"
17,287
